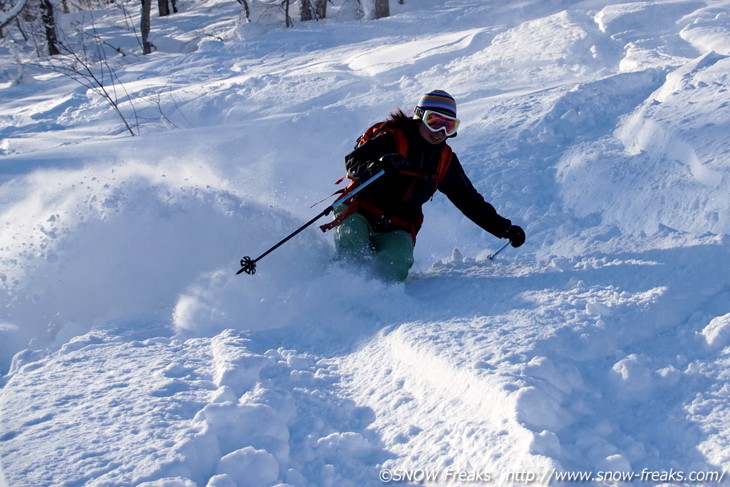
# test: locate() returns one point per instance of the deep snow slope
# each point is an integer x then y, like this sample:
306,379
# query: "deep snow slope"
131,355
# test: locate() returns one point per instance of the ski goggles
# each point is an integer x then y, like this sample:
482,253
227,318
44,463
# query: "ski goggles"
436,122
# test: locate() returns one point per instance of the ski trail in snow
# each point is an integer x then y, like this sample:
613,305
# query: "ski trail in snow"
537,374
438,415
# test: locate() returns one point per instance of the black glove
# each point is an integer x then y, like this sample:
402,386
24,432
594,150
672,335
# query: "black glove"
516,235
392,163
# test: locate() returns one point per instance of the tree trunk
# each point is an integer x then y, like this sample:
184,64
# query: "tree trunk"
163,6
49,25
145,26
382,9
305,10
286,4
321,9
246,9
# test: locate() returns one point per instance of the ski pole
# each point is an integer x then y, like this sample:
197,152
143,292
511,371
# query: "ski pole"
492,256
248,265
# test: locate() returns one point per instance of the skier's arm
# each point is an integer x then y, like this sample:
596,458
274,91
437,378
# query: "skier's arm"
361,162
460,191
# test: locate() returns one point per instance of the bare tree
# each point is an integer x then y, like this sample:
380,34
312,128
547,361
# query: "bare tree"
49,27
306,12
7,17
382,9
145,26
285,5
89,66
312,9
47,17
321,8
246,9
163,7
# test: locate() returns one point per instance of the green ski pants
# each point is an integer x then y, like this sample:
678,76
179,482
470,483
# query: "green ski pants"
391,253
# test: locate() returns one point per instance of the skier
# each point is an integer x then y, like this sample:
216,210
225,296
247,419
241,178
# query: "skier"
380,223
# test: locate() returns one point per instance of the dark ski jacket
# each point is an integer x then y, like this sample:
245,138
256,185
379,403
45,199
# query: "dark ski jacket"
387,193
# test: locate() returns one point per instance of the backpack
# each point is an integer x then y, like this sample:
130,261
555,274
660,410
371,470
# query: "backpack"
401,148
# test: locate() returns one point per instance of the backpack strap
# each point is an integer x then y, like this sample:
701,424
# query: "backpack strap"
444,163
401,143
401,148
349,210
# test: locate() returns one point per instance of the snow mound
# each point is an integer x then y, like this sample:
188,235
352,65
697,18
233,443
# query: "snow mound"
222,415
663,166
89,246
717,332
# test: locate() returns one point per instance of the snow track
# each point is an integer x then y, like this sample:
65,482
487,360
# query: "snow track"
437,415
572,388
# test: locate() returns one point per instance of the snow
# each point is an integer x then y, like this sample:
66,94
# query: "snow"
131,355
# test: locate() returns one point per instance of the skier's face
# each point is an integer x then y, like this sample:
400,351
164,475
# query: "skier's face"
431,137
